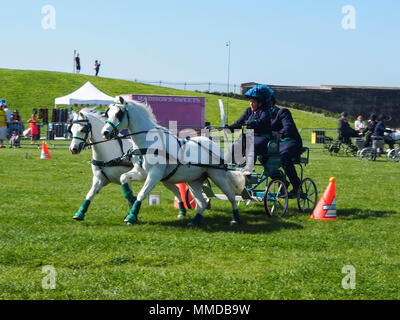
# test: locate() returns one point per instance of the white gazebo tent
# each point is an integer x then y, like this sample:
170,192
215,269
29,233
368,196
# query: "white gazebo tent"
88,94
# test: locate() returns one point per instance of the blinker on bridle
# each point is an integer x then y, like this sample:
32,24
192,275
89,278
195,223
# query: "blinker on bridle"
120,115
87,129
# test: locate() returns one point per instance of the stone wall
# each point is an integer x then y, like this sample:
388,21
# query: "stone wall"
354,100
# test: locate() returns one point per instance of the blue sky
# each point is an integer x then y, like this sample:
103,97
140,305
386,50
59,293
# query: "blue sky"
289,42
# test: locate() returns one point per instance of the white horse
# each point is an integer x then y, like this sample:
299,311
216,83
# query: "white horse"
169,161
108,159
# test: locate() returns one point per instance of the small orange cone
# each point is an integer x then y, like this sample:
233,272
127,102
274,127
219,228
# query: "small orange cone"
326,207
45,152
182,191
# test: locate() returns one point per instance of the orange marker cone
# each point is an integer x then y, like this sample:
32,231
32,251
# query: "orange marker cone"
326,207
45,152
182,191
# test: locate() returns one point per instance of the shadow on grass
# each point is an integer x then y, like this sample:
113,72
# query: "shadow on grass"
250,224
357,214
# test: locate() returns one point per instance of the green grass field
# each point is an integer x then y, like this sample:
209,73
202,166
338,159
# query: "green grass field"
289,258
160,258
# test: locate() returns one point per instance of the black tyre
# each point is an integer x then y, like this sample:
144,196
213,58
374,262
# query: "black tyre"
368,154
394,155
276,199
307,196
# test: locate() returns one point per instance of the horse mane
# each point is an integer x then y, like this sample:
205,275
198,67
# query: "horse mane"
145,108
94,113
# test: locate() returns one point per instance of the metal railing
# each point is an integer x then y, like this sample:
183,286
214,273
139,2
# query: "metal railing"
314,138
195,86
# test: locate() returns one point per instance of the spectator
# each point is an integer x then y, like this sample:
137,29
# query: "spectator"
8,113
78,63
380,130
16,123
3,126
8,116
359,124
96,67
15,140
345,131
34,129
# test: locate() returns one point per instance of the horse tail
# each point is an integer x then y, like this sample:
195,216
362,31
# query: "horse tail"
237,181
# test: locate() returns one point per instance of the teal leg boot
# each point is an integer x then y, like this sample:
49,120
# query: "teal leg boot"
182,210
235,218
128,194
80,215
132,218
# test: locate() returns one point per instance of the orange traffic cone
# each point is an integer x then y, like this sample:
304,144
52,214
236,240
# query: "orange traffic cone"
182,191
326,207
45,152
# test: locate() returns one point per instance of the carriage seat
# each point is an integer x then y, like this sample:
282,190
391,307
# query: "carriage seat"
274,158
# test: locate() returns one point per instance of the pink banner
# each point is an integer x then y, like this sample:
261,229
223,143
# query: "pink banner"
189,112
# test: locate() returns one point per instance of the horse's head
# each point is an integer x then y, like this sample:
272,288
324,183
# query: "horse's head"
117,119
80,130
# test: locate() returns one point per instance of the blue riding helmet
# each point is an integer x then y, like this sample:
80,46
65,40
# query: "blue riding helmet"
260,92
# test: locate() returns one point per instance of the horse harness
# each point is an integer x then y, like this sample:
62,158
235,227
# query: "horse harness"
117,162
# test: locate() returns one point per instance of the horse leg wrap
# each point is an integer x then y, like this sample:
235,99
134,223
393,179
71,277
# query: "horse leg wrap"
182,209
236,217
131,218
80,215
128,194
196,221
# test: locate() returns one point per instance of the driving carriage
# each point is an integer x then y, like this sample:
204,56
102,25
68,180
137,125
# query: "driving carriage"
269,185
378,148
167,158
340,148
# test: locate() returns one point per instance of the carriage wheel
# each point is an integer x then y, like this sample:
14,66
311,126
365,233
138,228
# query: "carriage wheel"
340,151
307,195
276,199
191,203
368,154
394,155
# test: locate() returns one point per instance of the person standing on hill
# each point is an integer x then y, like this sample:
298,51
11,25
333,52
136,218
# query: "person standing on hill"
96,67
78,63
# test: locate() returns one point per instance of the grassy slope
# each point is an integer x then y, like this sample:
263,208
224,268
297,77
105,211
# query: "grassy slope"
25,90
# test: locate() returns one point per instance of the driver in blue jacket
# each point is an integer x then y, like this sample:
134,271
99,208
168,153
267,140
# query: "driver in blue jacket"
291,144
258,118
380,130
